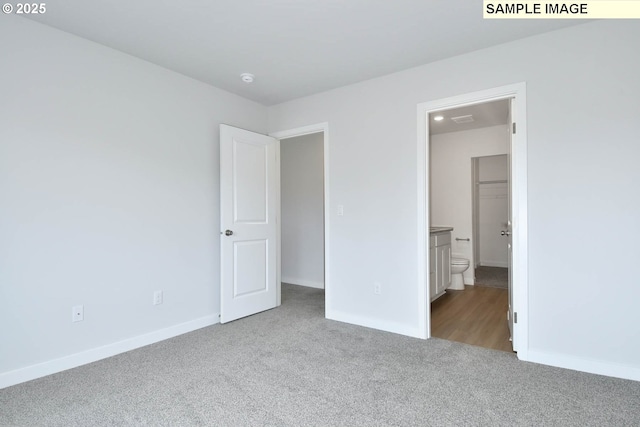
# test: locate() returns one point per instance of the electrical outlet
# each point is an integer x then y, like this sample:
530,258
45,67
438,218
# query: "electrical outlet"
77,313
157,297
377,288
340,210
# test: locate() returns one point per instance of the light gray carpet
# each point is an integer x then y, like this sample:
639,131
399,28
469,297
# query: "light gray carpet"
495,277
291,367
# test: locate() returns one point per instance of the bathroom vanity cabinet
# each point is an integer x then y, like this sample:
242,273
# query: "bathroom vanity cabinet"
439,261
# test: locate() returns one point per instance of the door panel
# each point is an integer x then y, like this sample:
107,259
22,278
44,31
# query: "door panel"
249,177
250,267
248,234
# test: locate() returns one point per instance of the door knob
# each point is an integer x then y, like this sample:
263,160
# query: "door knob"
228,233
505,233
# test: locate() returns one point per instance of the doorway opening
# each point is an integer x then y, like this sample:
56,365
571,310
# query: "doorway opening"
440,209
302,210
469,193
490,218
302,229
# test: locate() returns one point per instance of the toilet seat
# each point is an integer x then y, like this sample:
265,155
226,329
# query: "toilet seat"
459,261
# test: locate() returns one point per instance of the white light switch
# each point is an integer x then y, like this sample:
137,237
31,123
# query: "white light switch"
340,210
157,297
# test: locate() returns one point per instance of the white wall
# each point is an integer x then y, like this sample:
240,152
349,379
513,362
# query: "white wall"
493,168
451,183
493,211
582,107
109,190
302,202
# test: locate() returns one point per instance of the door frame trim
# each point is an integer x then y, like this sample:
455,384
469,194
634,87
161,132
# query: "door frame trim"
518,205
291,133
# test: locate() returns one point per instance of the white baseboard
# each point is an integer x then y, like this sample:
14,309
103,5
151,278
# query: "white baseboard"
92,355
302,282
367,322
584,365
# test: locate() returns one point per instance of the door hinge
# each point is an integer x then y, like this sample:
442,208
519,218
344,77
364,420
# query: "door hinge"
515,317
514,127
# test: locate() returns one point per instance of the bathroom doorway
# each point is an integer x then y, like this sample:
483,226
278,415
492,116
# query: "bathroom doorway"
467,144
462,239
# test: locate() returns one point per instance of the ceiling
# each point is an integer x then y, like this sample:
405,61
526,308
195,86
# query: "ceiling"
484,115
295,48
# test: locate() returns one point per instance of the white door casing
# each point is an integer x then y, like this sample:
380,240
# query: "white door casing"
248,222
510,315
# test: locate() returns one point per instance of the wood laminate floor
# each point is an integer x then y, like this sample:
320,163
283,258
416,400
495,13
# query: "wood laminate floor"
476,316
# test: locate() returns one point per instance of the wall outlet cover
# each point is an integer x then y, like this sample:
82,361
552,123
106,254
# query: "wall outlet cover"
77,313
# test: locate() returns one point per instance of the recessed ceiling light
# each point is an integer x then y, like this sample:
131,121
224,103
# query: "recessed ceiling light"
247,77
438,118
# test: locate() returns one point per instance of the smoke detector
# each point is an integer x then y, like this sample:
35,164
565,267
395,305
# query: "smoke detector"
463,119
247,77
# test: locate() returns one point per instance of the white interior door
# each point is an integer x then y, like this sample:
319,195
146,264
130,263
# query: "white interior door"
248,229
510,315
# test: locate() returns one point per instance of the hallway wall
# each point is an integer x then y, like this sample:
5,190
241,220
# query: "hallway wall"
302,204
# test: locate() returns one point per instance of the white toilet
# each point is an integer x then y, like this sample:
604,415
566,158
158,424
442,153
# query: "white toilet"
458,266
